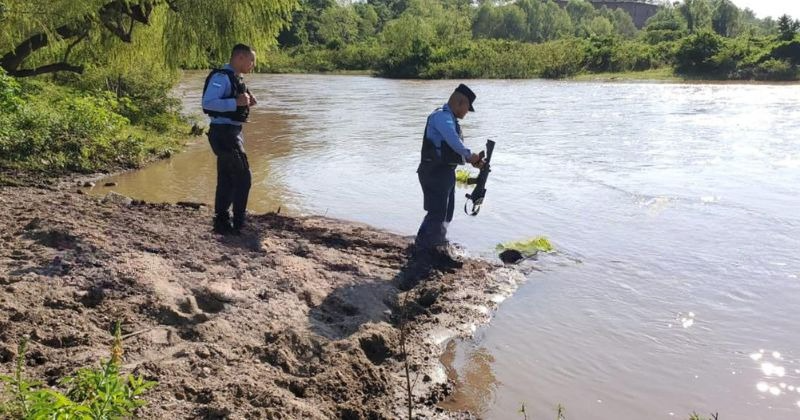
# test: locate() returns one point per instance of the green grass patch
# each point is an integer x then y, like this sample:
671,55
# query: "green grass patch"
664,74
98,393
528,247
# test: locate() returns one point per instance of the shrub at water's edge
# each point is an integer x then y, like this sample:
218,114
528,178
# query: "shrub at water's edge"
60,128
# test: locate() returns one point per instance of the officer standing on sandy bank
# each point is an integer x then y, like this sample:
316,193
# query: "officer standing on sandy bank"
442,150
227,102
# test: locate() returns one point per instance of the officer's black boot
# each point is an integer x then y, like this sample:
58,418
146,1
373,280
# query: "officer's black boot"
222,224
443,257
238,224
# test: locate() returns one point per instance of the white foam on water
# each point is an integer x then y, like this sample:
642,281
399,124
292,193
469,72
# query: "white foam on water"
498,299
440,336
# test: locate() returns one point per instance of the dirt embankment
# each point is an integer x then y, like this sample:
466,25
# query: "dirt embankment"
297,318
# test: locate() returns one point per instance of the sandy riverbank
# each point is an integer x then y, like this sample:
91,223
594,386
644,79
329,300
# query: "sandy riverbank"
296,318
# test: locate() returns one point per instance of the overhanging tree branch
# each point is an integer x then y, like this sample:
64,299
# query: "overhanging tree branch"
50,68
12,60
112,16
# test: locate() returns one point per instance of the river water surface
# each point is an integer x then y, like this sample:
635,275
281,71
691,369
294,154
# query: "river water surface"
675,209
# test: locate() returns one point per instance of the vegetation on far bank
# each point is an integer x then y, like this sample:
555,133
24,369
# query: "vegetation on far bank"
708,39
663,74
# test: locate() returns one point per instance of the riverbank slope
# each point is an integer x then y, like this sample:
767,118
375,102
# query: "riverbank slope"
296,318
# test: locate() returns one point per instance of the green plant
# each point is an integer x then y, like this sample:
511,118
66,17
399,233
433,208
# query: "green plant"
775,70
56,128
528,247
562,58
9,92
697,53
462,176
99,393
16,402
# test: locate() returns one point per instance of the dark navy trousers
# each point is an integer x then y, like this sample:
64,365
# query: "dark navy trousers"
233,172
438,182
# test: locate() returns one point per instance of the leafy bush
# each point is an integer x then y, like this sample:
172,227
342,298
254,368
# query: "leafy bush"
562,58
9,92
696,54
276,61
317,60
357,56
57,128
634,56
99,393
486,59
140,93
787,50
775,70
600,54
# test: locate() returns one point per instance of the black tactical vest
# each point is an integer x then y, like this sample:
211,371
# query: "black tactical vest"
237,88
448,156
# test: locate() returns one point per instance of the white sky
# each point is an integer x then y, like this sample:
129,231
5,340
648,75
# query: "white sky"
774,8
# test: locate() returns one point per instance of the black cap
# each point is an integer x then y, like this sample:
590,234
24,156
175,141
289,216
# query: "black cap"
464,90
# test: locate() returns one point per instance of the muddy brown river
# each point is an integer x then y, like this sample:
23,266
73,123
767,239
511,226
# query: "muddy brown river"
675,210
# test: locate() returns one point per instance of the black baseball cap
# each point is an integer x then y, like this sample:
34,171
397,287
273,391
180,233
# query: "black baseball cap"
464,90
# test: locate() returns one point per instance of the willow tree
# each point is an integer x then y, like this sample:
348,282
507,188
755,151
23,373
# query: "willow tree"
65,35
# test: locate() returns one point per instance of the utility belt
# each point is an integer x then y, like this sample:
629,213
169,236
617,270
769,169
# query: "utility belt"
443,155
220,128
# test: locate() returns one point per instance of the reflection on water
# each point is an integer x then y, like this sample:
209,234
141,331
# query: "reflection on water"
776,379
470,370
685,321
679,201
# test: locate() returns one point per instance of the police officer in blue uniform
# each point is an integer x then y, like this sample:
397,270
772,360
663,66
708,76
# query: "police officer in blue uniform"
227,102
442,150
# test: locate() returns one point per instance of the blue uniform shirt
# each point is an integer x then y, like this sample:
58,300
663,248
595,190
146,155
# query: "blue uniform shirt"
442,126
219,87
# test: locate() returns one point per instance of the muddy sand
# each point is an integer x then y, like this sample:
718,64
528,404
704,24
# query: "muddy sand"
297,318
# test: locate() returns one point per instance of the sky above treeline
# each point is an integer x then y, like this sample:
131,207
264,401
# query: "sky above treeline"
774,8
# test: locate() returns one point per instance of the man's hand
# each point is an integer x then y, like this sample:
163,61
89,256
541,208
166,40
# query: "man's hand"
253,100
243,99
476,160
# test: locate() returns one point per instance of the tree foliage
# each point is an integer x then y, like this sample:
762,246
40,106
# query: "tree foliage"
70,35
726,18
787,28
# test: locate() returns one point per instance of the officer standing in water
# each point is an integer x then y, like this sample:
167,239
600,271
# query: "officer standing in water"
227,102
442,150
